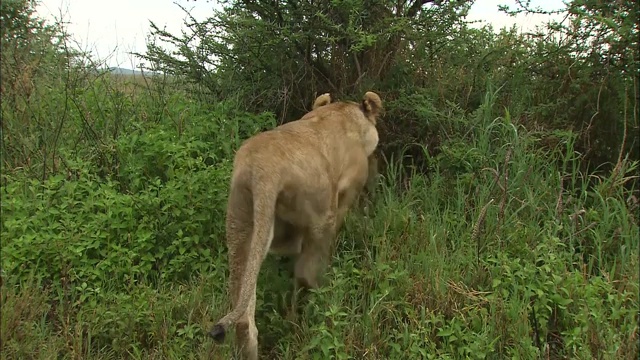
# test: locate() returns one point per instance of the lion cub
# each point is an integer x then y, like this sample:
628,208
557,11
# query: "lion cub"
304,174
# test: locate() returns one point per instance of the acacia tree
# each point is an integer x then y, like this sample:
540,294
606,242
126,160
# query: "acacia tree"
597,67
277,55
601,32
33,57
579,74
27,42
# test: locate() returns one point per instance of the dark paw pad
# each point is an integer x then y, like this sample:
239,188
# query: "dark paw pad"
217,333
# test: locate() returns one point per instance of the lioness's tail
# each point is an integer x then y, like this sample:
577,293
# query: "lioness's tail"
264,202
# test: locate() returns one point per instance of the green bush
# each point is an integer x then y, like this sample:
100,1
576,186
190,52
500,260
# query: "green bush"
159,215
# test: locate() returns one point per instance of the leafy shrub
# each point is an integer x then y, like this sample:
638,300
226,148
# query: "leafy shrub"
157,211
86,230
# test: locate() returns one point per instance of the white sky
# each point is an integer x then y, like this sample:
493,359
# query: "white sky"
112,29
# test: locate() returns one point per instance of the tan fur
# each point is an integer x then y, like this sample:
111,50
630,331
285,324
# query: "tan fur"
294,179
352,190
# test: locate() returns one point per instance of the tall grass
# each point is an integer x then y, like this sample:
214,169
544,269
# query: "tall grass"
502,250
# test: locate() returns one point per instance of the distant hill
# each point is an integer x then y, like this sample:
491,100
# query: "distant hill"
123,71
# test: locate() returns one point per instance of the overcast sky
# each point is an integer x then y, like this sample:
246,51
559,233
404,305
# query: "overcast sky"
112,29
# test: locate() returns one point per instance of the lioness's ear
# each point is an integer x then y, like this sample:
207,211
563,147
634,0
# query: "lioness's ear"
371,104
321,100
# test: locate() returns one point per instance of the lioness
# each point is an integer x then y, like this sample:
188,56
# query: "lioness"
294,175
287,238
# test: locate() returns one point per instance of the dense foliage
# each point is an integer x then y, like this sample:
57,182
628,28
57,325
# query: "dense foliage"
580,74
504,225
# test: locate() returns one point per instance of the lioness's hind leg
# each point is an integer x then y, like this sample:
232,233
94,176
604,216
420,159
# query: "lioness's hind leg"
287,239
247,333
313,258
316,248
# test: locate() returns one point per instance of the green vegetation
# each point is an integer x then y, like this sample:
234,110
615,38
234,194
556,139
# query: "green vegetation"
504,225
